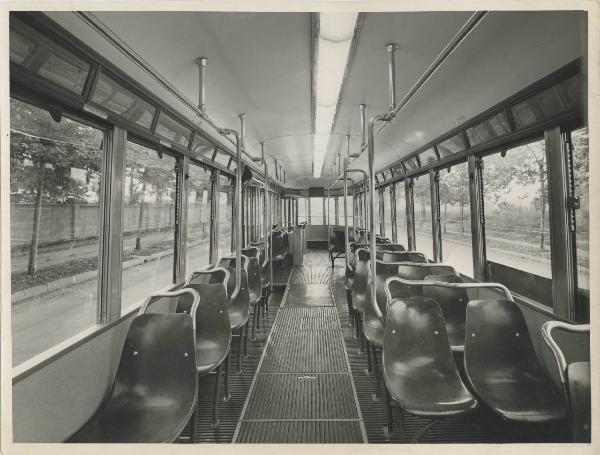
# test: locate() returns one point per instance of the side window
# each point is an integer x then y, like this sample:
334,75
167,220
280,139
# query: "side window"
456,218
225,215
387,212
55,187
401,214
579,139
198,218
149,189
516,209
423,228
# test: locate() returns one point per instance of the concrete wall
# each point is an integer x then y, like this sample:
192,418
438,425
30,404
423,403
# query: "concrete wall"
71,222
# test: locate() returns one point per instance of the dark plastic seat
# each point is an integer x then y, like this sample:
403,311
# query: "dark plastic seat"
502,366
383,248
401,256
254,285
453,302
419,369
278,247
580,400
337,245
143,406
213,334
239,305
574,372
418,272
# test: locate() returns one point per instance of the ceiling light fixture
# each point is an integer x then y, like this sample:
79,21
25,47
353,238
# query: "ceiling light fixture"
335,37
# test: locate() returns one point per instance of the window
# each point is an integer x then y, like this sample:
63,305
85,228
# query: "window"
302,212
387,212
556,100
202,147
401,228
198,218
456,218
55,187
316,210
579,138
225,215
423,228
331,208
148,223
174,132
427,157
451,146
222,158
33,51
411,164
111,96
492,128
516,209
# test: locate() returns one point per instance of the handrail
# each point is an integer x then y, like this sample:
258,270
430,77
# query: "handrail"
547,330
171,294
195,273
442,284
238,201
346,243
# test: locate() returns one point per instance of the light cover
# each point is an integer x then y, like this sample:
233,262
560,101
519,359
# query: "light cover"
335,36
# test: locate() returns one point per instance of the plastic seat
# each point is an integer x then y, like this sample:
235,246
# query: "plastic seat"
143,406
239,305
401,256
418,272
502,366
254,285
265,277
337,245
418,366
453,302
574,372
580,399
213,332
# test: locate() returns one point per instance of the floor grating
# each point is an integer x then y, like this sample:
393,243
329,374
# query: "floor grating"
303,391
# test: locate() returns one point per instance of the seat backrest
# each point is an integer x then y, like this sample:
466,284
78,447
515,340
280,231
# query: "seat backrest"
418,272
452,301
250,252
497,343
229,263
253,273
209,276
415,344
401,256
383,271
361,276
212,317
159,343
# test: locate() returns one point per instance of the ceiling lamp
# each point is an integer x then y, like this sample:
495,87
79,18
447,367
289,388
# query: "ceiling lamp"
335,37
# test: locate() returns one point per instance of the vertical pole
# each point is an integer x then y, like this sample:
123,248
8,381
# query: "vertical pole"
393,213
214,215
363,127
477,217
111,234
201,62
391,48
409,184
562,231
436,231
346,244
181,213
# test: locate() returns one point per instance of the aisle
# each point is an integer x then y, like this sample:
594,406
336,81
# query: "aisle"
303,391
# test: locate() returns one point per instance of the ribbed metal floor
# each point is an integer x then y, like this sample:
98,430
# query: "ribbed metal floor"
303,391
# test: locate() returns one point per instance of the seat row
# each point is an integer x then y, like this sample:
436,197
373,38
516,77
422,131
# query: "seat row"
177,338
423,314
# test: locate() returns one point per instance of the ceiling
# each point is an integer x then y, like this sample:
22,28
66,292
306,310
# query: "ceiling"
260,64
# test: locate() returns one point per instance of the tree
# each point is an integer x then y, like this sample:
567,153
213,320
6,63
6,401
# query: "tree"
43,153
454,190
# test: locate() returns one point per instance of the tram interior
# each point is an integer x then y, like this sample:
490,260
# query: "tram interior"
298,227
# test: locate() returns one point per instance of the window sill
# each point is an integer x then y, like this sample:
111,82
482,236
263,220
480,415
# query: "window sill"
36,363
